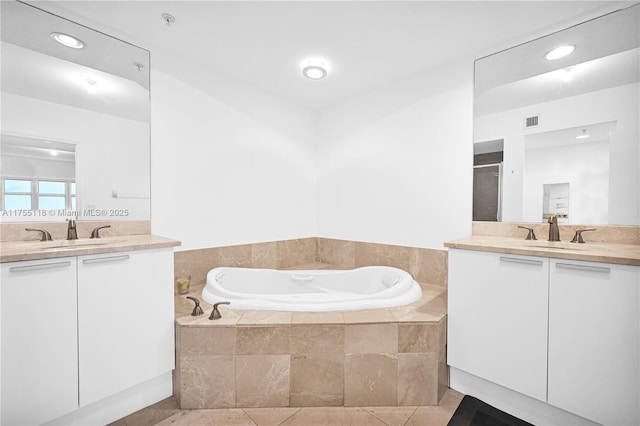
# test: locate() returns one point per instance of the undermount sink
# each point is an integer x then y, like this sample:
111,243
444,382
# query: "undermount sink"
71,244
557,245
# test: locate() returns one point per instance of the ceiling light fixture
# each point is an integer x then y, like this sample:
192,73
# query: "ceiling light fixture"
583,135
314,69
559,52
53,153
67,40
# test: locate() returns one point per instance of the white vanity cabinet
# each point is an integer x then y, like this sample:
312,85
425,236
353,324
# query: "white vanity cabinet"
584,361
123,338
594,338
497,322
86,339
39,340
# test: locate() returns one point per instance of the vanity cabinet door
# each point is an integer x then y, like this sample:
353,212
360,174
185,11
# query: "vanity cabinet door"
125,315
594,338
497,322
39,340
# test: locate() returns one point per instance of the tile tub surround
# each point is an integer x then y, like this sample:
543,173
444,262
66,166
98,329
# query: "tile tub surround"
378,357
425,265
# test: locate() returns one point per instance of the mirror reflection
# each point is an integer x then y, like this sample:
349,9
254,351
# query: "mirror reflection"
570,123
84,95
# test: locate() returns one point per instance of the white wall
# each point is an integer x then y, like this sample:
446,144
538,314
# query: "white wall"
620,104
395,165
230,164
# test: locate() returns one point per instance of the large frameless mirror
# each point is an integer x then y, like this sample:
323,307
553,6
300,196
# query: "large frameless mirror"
75,121
561,136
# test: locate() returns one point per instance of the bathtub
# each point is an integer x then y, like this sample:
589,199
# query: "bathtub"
311,290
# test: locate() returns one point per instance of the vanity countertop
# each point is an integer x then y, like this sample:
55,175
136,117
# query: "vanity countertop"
13,251
624,254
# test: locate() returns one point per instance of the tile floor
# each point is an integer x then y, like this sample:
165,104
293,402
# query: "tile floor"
167,413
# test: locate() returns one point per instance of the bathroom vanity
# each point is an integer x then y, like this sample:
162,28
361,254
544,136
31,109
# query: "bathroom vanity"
547,331
87,328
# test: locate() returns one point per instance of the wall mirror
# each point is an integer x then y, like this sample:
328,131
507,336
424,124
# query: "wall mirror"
75,121
568,126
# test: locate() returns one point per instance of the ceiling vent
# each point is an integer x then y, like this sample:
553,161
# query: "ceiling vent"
530,121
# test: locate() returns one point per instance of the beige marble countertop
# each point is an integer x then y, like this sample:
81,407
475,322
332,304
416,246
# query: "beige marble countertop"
624,254
12,251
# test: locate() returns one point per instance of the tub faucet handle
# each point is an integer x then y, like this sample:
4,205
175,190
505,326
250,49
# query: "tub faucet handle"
531,235
197,310
215,314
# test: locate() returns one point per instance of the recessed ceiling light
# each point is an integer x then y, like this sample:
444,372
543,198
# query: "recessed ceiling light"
314,69
67,40
559,52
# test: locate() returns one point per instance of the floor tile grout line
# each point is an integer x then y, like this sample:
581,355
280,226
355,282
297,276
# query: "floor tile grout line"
412,414
292,414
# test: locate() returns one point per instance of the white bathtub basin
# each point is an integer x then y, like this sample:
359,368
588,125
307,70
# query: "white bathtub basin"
311,290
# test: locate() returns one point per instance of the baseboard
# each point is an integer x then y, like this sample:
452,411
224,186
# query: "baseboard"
514,403
121,404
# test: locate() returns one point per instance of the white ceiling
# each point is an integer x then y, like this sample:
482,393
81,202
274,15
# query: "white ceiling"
366,43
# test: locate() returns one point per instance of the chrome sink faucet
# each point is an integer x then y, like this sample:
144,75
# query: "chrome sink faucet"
72,232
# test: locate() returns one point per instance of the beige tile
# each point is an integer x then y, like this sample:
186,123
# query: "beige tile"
383,254
418,379
431,416
262,380
418,338
370,380
368,316
328,416
430,308
391,416
207,341
265,318
451,399
270,416
313,266
429,266
443,373
296,252
207,381
371,338
263,340
339,253
317,380
265,255
122,422
603,233
317,339
317,318
230,417
153,414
